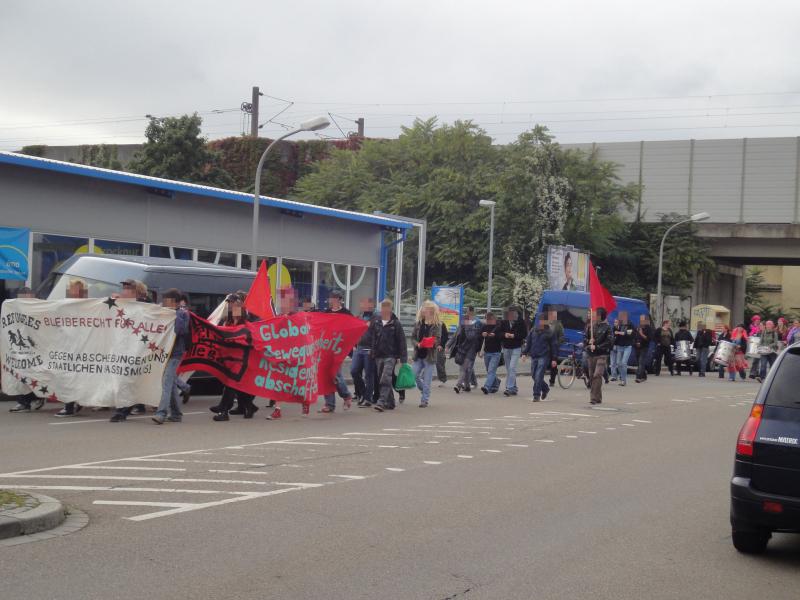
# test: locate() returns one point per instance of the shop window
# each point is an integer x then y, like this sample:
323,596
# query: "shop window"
114,247
330,277
49,251
297,283
170,252
363,287
227,259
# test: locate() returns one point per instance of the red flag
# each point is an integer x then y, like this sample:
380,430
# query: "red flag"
598,295
259,298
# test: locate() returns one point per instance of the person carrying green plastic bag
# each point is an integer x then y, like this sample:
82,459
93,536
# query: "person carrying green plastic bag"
405,378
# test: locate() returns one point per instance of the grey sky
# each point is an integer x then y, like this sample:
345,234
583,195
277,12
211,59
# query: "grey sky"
504,64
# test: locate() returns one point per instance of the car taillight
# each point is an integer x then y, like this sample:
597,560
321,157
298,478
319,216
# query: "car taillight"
744,445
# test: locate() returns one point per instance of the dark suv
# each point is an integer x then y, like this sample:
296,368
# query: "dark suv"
765,489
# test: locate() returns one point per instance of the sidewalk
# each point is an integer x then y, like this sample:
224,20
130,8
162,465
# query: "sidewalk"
27,514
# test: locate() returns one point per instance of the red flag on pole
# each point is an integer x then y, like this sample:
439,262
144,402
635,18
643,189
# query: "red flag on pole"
598,295
259,298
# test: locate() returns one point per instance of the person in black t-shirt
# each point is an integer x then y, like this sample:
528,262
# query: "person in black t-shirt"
491,350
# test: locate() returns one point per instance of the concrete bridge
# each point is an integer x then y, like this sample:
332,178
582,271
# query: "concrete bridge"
750,186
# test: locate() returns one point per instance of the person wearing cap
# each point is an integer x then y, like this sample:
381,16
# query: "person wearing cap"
336,307
169,407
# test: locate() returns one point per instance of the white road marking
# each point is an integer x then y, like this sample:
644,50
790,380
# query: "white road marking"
464,456
143,503
104,488
432,462
387,446
432,442
611,428
226,471
387,434
108,467
628,425
517,445
349,476
493,451
499,438
395,469
592,432
546,441
572,437
640,421
80,421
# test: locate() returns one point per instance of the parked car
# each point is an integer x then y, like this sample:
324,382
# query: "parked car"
205,284
765,488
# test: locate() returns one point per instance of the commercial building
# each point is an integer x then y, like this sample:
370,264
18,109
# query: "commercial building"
50,210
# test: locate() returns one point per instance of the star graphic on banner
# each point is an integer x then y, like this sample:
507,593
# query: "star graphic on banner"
153,346
136,329
43,389
145,339
52,397
120,312
34,383
23,380
110,302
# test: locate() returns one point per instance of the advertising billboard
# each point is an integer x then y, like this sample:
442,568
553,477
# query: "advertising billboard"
567,269
450,300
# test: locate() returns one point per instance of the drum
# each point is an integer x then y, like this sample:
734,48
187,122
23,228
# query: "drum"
763,350
725,352
683,351
752,346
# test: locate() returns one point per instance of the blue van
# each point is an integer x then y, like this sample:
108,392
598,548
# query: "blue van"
573,309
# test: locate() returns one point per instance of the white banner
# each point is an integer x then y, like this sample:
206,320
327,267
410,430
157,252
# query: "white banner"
96,352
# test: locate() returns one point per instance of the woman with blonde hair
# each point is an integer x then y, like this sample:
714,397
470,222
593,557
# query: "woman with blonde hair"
427,337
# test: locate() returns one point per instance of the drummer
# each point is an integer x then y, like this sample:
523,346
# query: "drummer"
768,349
683,360
702,343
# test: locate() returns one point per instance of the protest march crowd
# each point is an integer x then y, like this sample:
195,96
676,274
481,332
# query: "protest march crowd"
377,343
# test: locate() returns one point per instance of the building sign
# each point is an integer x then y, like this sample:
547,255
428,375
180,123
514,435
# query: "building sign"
450,301
567,269
14,253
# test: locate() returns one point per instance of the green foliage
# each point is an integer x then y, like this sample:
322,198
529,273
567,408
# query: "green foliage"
100,155
175,150
34,150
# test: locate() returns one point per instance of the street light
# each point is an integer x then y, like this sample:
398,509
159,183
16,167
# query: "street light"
703,216
312,125
491,205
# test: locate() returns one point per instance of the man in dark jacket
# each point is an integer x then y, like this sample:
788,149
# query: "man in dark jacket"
541,346
598,344
388,348
664,339
362,368
702,343
336,307
512,333
641,341
558,331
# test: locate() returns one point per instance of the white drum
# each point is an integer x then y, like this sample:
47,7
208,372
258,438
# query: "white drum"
683,351
752,346
725,352
762,350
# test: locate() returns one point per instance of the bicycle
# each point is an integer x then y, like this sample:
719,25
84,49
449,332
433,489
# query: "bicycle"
571,368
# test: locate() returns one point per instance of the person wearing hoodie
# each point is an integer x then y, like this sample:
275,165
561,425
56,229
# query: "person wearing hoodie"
598,344
362,369
512,333
388,348
427,341
465,348
541,346
169,406
769,339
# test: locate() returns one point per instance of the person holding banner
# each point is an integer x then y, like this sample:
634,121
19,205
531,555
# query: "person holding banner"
388,348
598,343
24,402
76,289
169,390
235,314
335,306
427,341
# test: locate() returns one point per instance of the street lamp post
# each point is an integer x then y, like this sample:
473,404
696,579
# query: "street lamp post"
703,216
312,125
491,204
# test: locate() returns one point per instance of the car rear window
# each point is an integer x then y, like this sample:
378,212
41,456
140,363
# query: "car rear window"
785,388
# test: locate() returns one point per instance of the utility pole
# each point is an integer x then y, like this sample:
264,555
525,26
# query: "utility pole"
360,123
254,112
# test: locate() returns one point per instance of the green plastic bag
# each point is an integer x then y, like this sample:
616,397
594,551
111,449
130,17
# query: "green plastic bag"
405,378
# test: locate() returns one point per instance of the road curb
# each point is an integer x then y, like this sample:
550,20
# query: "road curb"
47,515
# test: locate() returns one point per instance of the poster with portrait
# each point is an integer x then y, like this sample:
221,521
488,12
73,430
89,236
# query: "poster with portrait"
450,300
567,269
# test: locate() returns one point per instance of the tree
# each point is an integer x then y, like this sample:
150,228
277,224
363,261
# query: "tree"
176,150
100,155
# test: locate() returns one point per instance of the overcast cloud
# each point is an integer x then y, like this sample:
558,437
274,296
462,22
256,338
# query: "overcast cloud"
589,70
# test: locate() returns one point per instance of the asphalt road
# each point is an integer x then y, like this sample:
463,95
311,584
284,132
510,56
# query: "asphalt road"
473,497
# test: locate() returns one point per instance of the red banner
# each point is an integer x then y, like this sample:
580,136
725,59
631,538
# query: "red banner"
290,358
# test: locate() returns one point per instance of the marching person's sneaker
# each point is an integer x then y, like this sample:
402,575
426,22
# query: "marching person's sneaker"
175,418
116,418
613,379
544,393
20,407
535,399
276,414
236,411
365,404
485,390
158,419
347,402
325,410
457,389
38,403
423,405
467,388
378,407
638,381
138,409
594,402
622,383
64,412
222,416
271,404
215,409
186,395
